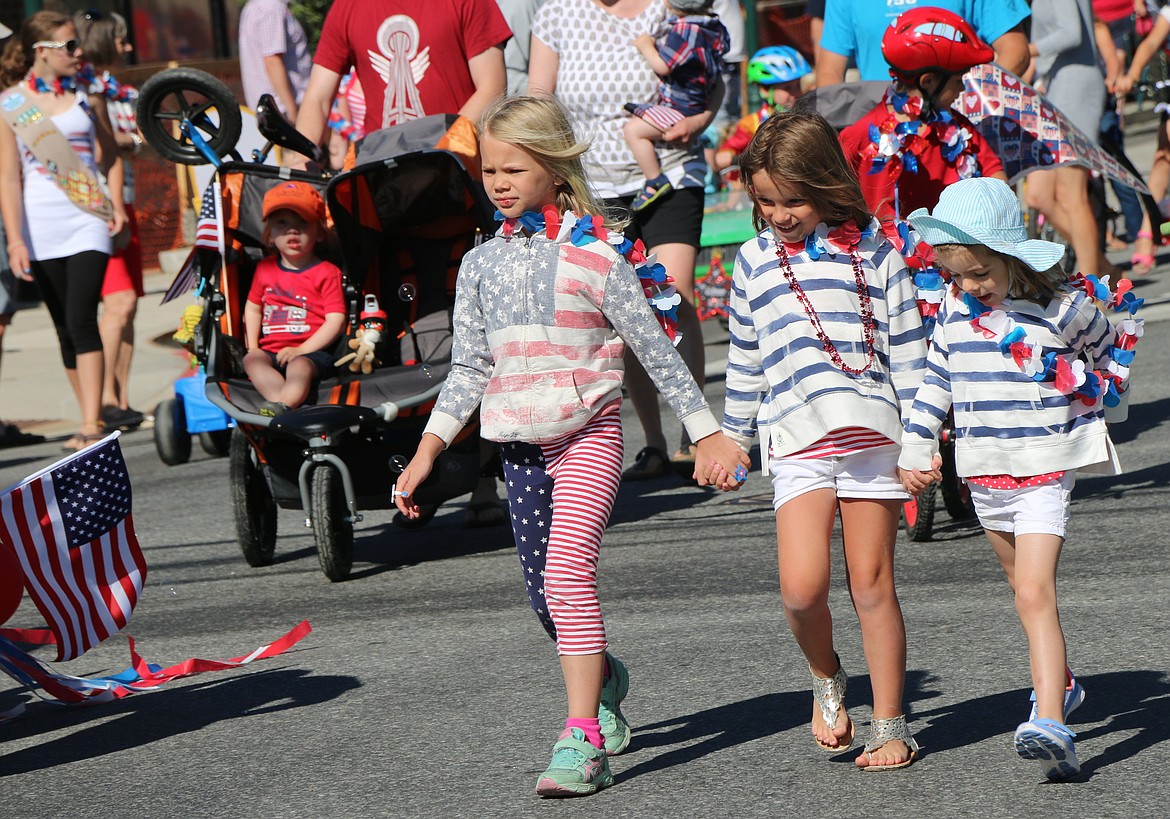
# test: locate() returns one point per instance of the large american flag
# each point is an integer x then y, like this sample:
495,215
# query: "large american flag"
72,530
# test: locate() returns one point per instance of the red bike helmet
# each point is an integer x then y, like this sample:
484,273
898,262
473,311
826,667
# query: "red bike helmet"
930,39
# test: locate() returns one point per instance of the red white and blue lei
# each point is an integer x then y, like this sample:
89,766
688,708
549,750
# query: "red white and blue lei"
664,299
1070,378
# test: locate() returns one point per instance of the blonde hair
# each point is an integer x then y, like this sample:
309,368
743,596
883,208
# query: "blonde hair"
1024,281
540,127
801,149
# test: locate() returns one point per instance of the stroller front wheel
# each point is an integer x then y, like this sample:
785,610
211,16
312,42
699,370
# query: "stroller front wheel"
171,438
332,526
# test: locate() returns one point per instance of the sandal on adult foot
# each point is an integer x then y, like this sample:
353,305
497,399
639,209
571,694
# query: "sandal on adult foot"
886,730
482,514
651,462
1142,263
80,441
829,695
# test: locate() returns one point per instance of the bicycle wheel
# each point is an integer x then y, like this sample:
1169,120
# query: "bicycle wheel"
179,95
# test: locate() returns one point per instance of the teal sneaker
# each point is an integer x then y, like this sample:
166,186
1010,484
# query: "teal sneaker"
654,190
577,768
614,727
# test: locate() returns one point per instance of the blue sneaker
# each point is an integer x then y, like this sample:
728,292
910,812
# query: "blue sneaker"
1051,744
614,727
1074,695
577,768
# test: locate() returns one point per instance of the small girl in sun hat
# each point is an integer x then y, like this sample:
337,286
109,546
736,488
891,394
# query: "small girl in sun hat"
1028,360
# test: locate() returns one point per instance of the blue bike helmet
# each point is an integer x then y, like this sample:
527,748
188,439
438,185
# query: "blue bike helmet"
773,65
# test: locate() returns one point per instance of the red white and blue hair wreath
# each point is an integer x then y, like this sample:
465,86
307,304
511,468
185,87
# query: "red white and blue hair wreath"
658,287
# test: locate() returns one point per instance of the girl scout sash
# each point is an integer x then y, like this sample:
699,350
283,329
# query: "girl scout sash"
53,151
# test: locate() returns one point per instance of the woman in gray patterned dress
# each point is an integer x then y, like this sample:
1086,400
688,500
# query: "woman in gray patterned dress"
582,52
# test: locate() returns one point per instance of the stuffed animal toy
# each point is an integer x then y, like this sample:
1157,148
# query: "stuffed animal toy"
365,339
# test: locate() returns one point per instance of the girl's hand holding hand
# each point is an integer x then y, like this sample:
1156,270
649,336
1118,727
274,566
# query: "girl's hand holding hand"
915,480
283,357
719,461
1123,85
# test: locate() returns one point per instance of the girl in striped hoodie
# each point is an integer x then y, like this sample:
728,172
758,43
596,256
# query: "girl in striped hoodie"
1029,362
827,348
543,313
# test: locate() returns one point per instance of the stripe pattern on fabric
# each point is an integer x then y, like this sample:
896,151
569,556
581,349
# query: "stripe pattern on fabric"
560,495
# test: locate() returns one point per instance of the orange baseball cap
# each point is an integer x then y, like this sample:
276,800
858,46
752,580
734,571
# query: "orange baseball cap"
299,197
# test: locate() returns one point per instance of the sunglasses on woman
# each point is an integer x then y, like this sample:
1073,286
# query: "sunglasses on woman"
70,46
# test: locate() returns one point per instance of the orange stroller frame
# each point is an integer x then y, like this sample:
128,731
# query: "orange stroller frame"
404,216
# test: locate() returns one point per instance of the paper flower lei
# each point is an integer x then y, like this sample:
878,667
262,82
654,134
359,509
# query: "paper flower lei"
664,299
898,142
85,78
1069,378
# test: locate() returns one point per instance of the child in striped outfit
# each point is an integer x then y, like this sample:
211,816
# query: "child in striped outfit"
1027,360
827,348
542,315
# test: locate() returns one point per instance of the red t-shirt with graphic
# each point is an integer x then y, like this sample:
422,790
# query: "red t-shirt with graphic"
294,303
411,57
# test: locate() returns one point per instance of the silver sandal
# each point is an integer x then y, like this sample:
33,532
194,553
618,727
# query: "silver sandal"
829,694
885,730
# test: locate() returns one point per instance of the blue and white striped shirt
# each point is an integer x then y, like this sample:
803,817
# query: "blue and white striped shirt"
1005,421
777,368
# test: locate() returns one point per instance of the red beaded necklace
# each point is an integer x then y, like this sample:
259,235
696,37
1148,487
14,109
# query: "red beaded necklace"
867,322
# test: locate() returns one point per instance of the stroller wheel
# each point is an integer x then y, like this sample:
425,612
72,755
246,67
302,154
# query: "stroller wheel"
171,438
332,527
187,94
252,503
918,515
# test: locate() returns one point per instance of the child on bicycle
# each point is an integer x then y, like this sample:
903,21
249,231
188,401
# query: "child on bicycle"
543,312
776,73
1027,360
688,59
826,337
913,144
295,310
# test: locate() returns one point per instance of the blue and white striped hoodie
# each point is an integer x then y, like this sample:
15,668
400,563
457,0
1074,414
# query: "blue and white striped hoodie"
778,370
1007,422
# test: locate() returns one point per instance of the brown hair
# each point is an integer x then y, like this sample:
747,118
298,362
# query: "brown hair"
18,54
1024,281
801,149
540,127
99,35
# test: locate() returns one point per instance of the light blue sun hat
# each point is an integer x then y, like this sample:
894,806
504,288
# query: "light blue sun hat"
984,211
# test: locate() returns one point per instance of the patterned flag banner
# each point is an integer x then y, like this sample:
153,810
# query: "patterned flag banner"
1027,131
185,280
71,528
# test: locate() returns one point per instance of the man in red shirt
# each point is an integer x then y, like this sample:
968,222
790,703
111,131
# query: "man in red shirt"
412,59
912,145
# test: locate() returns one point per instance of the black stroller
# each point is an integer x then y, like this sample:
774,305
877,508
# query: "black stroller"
404,217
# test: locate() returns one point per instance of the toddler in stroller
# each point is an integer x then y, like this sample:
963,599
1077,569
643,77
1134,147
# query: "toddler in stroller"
295,309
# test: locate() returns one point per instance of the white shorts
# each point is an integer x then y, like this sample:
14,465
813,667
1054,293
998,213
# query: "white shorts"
870,473
1035,510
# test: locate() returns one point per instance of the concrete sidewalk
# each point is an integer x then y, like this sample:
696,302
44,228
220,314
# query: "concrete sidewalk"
35,394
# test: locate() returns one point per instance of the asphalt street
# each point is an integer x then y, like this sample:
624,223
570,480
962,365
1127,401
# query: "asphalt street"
427,688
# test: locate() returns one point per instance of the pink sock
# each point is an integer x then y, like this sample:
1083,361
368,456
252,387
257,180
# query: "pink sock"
592,729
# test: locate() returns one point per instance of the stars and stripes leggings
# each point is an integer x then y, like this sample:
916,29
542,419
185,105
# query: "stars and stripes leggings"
560,495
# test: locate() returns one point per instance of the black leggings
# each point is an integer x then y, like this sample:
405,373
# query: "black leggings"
72,288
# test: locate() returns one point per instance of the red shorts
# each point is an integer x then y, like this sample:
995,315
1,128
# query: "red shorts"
124,270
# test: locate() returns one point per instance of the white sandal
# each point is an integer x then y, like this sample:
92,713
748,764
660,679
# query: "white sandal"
885,730
829,695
